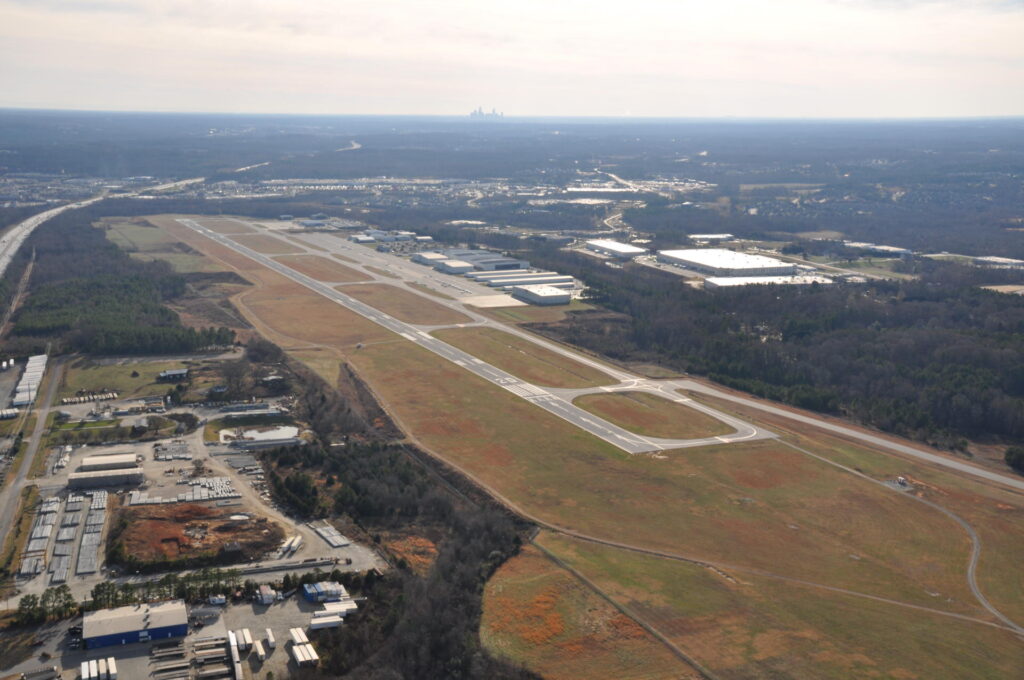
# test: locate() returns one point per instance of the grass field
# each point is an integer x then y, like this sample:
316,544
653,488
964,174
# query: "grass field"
268,245
756,627
524,359
403,305
183,263
539,615
652,416
322,269
758,506
94,377
996,514
429,291
138,237
226,226
345,259
531,314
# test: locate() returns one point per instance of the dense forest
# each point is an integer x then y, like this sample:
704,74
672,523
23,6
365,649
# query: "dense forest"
410,625
935,358
87,295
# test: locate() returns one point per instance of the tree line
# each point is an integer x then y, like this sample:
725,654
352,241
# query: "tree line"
87,295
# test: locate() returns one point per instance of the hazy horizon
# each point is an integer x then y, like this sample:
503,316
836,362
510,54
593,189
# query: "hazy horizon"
799,59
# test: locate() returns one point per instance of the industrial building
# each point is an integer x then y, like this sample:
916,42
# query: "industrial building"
135,623
454,267
713,282
428,258
546,278
710,238
541,295
98,478
485,260
722,262
114,461
622,251
173,375
28,386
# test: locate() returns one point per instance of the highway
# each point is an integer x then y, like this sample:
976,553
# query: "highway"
16,235
547,399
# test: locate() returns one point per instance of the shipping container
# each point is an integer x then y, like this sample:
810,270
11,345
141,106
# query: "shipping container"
248,638
271,642
258,648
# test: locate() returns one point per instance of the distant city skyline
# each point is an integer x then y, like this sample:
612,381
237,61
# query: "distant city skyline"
650,58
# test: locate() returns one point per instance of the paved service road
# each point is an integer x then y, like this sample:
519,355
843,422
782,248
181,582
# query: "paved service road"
546,399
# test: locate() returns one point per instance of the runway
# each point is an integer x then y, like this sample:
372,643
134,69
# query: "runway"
550,400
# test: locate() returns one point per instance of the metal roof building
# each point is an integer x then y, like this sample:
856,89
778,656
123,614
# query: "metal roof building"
135,623
109,462
541,295
721,262
713,282
97,478
615,249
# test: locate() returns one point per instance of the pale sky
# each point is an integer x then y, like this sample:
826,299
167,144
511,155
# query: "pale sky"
675,58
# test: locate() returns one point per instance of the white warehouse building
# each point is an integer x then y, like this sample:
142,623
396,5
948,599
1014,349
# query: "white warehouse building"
722,262
713,282
623,251
541,295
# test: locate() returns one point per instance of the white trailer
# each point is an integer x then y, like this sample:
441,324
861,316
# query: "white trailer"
85,671
314,658
248,638
271,642
103,669
112,668
297,655
94,670
322,622
257,647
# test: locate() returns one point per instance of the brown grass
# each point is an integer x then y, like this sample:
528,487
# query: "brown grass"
322,269
403,305
524,359
268,245
429,291
541,616
754,627
652,416
758,505
418,552
226,226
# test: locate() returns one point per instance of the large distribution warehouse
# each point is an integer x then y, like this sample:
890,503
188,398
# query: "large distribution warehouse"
623,251
721,262
135,623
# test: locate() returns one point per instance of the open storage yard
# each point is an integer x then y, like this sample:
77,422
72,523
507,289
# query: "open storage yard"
186,530
651,415
403,305
524,359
